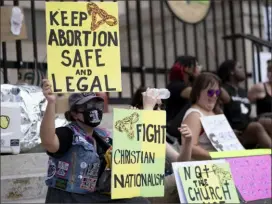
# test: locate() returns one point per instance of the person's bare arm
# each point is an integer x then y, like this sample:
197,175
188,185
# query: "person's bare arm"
256,92
171,153
193,122
49,139
224,96
186,92
187,144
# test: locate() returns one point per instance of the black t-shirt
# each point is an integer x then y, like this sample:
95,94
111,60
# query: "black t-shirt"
237,111
175,103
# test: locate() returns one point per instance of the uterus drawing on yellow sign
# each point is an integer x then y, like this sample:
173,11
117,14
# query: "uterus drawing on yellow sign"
10,127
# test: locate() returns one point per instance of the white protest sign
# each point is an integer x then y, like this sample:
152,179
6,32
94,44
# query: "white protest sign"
177,165
10,127
220,133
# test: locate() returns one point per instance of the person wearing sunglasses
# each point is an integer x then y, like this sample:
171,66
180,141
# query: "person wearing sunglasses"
204,98
78,152
237,107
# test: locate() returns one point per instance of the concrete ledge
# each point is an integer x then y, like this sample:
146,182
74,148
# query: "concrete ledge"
23,188
23,177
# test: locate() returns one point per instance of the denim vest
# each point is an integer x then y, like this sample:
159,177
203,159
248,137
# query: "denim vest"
78,170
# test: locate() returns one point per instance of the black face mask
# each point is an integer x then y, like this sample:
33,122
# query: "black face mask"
92,117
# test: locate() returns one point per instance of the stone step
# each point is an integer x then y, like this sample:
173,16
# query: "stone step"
23,176
42,200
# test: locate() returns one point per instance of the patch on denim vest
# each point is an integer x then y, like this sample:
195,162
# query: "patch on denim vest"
51,169
63,168
89,176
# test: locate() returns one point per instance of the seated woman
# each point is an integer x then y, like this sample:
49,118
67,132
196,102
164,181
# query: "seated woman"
261,93
237,107
204,98
144,99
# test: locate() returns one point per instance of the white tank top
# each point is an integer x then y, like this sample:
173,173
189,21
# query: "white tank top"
203,141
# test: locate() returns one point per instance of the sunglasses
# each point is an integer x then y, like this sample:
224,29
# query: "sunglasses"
211,92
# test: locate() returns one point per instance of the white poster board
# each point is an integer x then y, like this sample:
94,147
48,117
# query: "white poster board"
177,165
10,126
264,57
220,133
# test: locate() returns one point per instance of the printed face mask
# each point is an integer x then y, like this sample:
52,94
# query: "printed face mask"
92,117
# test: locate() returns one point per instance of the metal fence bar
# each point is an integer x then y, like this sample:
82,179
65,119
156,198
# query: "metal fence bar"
252,44
174,28
215,34
195,41
18,44
224,27
206,45
34,34
241,9
4,57
268,19
140,41
260,19
129,49
184,27
152,37
164,43
232,27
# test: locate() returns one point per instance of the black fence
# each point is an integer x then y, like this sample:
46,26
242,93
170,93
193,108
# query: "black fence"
152,37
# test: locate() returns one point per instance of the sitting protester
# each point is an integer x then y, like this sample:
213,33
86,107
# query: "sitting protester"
78,154
204,98
237,107
182,74
262,94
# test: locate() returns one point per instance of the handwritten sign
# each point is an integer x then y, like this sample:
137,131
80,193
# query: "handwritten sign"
138,155
220,133
252,176
208,183
83,49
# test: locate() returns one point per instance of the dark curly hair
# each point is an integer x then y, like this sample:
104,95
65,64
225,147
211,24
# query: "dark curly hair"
225,69
137,100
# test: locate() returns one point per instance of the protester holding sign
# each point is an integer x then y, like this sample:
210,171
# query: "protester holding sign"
148,100
204,97
78,154
237,107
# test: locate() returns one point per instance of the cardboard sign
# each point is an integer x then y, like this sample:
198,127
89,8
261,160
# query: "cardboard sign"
138,155
220,133
12,28
252,176
240,153
83,48
10,127
207,183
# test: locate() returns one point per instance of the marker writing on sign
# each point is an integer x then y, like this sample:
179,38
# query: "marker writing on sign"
82,60
133,157
203,195
144,133
215,142
83,84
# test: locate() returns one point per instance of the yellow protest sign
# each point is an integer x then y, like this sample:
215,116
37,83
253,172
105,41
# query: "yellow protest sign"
240,153
209,183
83,48
138,155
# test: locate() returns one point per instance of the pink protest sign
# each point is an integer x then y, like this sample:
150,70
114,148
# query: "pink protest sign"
252,176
